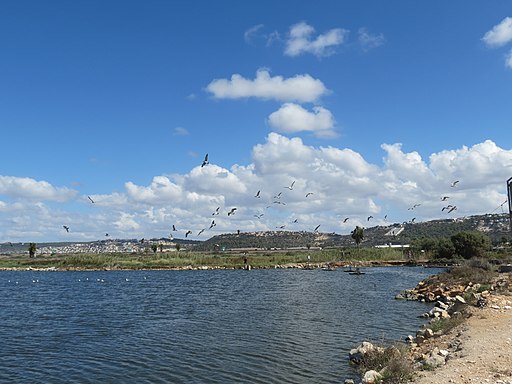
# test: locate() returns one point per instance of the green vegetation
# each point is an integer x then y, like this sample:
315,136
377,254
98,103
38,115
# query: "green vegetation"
156,260
32,249
462,245
391,362
358,235
445,325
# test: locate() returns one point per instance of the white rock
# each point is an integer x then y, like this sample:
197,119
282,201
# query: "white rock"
371,377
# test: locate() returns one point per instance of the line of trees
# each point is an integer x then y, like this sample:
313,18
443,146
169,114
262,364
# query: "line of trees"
466,244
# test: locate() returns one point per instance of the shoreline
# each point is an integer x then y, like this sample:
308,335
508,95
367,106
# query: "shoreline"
473,346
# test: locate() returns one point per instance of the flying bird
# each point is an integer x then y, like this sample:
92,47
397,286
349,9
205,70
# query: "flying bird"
278,202
414,206
345,219
412,220
201,231
205,161
232,212
369,217
106,234
447,207
66,228
89,197
295,221
452,209
385,217
258,194
141,241
316,228
259,215
212,224
444,198
216,212
309,194
454,183
291,186
174,228
189,232
282,227
278,196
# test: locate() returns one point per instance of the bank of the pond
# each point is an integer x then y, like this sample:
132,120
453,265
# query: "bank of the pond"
466,338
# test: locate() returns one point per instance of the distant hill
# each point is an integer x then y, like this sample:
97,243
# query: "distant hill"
496,226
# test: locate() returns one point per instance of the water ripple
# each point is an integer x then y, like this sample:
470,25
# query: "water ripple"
266,326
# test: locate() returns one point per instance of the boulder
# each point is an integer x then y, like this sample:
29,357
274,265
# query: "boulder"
371,377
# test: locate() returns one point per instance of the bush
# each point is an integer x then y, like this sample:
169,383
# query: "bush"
391,362
471,244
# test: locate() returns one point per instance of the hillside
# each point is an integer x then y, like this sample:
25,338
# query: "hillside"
496,226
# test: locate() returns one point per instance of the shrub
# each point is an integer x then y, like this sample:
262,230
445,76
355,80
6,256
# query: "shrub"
470,244
391,362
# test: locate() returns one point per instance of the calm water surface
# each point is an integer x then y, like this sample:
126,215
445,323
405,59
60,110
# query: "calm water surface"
235,326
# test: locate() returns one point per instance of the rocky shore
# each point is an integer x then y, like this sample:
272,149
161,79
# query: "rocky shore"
467,318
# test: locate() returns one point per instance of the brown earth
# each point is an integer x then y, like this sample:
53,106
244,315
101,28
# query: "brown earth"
480,349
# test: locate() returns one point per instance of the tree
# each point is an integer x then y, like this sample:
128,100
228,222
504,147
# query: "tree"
154,248
161,247
470,244
32,248
445,249
178,247
358,235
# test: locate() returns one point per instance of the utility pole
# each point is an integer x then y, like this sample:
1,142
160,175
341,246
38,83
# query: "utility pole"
509,191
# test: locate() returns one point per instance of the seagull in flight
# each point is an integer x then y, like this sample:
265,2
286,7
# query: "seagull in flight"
369,217
212,224
232,212
282,227
258,194
444,198
201,231
66,228
89,197
454,183
205,161
278,196
258,216
345,219
174,228
291,186
309,194
216,212
452,209
447,207
189,232
316,228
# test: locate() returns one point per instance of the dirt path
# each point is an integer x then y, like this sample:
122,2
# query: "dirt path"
484,354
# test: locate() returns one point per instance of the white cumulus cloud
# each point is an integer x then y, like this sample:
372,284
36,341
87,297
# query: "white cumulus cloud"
500,34
292,118
301,88
24,187
301,40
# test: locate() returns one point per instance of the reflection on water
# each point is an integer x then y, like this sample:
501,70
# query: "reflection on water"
233,326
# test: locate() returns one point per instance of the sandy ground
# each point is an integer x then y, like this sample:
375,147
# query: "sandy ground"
483,348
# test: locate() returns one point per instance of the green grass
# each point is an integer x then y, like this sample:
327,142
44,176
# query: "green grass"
267,259
391,361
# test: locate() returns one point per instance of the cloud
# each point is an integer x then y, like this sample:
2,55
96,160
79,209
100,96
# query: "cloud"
252,32
343,183
24,187
180,131
508,59
500,34
292,118
301,41
369,41
301,88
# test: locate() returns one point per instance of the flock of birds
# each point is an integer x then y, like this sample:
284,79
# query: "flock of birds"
278,200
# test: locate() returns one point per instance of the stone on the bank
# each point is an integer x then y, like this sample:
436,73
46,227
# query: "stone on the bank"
371,377
356,354
348,381
460,299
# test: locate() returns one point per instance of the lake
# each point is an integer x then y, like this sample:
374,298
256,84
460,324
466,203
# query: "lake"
220,326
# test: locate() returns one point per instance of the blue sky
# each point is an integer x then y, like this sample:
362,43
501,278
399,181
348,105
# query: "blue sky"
372,106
